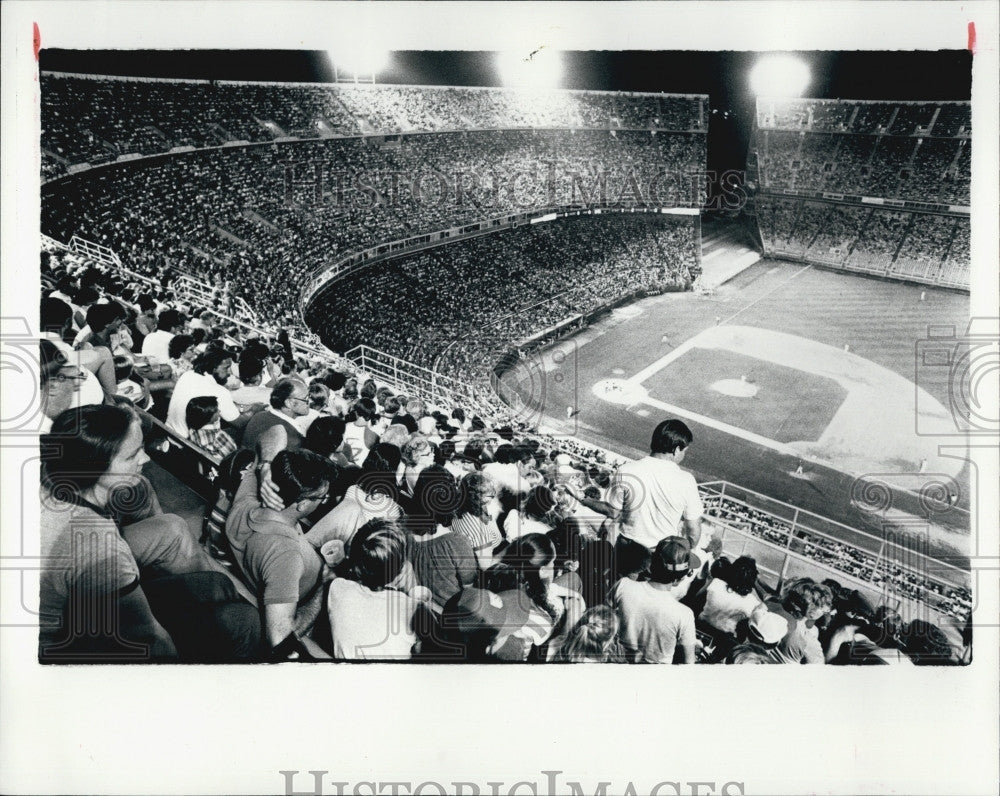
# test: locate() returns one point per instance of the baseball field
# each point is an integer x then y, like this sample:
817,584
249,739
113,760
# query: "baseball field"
786,366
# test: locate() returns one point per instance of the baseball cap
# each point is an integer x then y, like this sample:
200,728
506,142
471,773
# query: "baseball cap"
673,556
475,610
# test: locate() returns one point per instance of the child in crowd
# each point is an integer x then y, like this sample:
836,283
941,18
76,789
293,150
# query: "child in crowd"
127,386
204,426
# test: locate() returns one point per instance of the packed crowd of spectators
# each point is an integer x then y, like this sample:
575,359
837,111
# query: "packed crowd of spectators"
218,213
851,116
863,565
932,247
211,383
926,170
94,120
909,151
354,522
457,308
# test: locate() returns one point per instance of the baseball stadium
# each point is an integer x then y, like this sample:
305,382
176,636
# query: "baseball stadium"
431,275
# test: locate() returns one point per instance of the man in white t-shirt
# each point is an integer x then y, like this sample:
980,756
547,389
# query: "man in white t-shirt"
653,498
252,390
207,377
513,469
157,344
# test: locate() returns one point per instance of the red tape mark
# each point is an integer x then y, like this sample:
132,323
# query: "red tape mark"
972,38
37,40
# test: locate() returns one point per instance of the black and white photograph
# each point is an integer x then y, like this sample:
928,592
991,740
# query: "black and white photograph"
380,377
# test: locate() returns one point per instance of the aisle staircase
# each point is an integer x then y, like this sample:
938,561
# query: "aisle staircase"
726,250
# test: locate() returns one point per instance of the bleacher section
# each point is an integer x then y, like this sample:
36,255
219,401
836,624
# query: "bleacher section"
893,179
919,247
215,213
511,285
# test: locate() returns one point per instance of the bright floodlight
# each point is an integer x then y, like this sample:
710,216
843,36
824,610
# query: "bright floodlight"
541,68
358,58
779,76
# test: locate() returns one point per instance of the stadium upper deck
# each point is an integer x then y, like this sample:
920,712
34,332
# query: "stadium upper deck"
906,151
99,119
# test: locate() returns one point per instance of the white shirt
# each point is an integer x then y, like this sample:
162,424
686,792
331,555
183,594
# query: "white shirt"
517,525
724,608
251,394
191,385
654,495
157,345
507,476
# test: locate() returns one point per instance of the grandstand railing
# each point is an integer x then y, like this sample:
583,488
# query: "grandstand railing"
859,199
94,251
876,265
792,532
200,293
208,296
408,378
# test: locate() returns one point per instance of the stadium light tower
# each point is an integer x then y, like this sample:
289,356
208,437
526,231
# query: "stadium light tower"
779,76
358,61
531,68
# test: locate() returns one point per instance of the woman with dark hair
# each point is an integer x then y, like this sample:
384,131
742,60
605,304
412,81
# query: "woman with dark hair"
729,596
364,425
91,478
368,389
374,496
181,353
376,611
926,644
528,565
443,560
536,514
326,437
348,394
876,640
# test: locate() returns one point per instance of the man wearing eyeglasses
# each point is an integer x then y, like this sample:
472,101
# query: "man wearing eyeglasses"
275,426
60,383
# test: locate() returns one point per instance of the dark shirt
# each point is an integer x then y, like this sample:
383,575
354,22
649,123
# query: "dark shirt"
444,564
262,422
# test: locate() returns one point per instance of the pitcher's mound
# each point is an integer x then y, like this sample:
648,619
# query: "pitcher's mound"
737,388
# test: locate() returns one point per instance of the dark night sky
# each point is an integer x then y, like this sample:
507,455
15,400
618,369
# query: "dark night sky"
924,75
